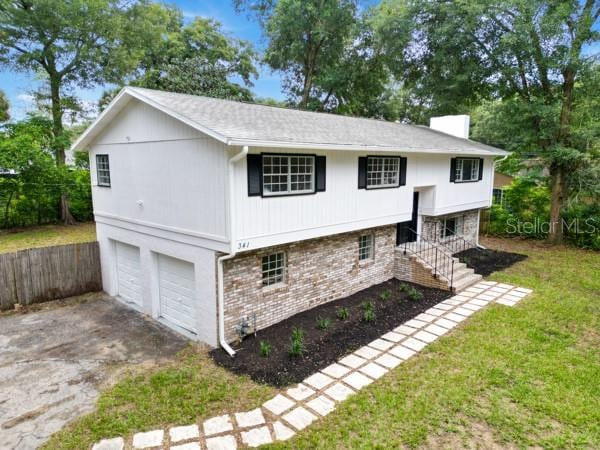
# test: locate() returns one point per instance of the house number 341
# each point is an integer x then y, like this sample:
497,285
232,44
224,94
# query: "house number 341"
242,245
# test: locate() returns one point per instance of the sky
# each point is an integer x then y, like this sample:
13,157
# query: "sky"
18,86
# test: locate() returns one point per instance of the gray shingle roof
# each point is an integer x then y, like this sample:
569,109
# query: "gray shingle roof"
239,123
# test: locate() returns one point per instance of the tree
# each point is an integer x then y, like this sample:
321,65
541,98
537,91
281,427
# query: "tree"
4,108
454,55
72,43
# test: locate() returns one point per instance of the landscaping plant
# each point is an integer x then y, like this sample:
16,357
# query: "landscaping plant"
404,287
265,349
414,294
385,295
323,323
343,313
369,311
297,342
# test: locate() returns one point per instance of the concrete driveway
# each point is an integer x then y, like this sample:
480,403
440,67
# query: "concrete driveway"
54,361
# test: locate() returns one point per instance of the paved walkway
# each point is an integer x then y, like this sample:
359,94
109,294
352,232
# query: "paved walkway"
318,395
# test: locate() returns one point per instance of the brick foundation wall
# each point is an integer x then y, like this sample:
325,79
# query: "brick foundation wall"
432,226
318,271
409,269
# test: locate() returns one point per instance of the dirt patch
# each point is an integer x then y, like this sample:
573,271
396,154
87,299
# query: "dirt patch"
487,261
391,306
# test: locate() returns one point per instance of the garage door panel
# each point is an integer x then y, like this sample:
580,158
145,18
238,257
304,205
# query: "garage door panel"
129,273
178,304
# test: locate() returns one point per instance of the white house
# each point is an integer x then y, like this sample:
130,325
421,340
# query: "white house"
213,215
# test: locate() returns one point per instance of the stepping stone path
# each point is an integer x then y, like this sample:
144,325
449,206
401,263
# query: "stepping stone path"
287,413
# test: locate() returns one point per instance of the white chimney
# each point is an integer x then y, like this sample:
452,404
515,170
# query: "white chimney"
455,125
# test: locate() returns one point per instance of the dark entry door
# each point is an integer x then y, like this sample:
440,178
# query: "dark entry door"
407,230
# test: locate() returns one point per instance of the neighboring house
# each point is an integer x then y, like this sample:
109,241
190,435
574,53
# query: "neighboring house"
501,182
216,212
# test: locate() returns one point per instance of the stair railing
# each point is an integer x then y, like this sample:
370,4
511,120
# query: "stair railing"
432,256
454,242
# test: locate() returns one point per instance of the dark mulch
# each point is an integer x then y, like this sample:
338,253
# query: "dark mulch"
484,262
324,347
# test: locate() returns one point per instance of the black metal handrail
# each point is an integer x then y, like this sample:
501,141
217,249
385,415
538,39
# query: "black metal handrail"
455,243
432,256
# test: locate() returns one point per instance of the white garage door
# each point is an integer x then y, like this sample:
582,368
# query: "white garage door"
129,274
177,292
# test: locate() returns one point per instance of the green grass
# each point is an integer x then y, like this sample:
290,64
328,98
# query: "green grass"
523,376
45,236
191,389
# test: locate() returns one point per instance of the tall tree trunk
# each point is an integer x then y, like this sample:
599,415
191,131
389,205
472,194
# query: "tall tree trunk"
58,146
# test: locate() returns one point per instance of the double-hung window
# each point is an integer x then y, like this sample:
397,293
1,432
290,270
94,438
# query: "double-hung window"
273,268
103,170
288,174
366,247
467,169
383,171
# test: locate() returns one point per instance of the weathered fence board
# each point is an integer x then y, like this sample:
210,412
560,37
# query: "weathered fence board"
41,274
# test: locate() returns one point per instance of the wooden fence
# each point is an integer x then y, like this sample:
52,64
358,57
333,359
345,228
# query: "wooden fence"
41,274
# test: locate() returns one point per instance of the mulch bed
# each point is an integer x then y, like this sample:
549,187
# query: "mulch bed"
324,347
486,261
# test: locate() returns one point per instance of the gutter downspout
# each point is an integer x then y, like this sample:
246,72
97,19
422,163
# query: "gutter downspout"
232,253
491,194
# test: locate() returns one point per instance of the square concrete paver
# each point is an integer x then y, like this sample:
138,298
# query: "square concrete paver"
425,317
318,380
463,311
282,433
322,405
454,317
257,437
414,323
353,361
425,336
402,352
389,361
299,418
448,324
216,425
187,446
300,392
278,404
110,444
221,443
339,392
250,418
336,371
393,337
443,306
414,344
381,344
183,433
367,352
436,329
373,370
505,302
357,380
148,439
479,302
405,329
436,312
471,306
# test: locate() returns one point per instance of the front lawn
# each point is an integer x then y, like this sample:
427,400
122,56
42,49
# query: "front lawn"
179,394
523,376
46,236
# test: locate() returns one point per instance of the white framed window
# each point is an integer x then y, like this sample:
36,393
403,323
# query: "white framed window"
103,170
273,268
288,174
383,171
366,247
451,226
467,169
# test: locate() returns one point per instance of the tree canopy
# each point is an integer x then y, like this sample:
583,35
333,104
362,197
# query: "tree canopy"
4,107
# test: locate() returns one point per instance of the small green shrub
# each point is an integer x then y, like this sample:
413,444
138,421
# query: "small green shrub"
297,342
385,295
368,311
404,287
414,294
343,313
323,323
265,349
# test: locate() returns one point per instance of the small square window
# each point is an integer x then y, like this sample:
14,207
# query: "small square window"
467,169
451,226
273,268
365,247
103,170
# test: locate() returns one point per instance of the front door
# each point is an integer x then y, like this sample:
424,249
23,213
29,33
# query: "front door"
407,231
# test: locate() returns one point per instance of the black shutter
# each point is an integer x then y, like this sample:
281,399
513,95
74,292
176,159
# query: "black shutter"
480,169
362,172
403,162
452,170
320,171
254,163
